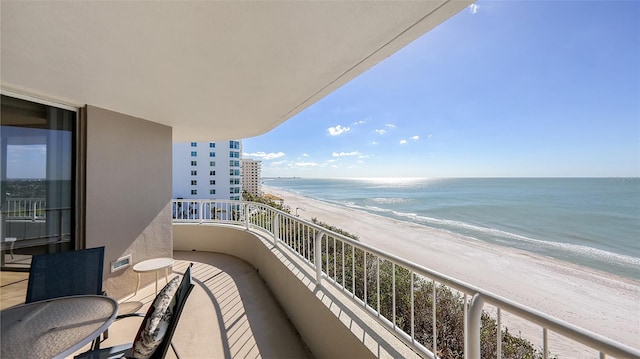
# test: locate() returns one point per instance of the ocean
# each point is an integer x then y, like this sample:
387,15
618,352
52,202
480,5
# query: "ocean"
593,222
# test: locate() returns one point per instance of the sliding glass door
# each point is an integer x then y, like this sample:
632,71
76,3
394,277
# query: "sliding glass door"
37,149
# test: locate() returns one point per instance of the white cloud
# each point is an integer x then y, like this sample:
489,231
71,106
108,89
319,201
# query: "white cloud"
331,161
474,8
429,136
27,149
264,156
361,122
337,130
306,164
364,156
277,163
380,132
390,125
374,142
415,138
305,155
403,142
342,154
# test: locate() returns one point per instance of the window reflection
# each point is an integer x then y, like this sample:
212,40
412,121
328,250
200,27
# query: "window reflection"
37,181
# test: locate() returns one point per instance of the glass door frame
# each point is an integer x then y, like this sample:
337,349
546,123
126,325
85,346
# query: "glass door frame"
78,167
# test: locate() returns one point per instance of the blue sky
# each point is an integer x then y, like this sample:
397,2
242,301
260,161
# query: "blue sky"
28,157
27,161
502,89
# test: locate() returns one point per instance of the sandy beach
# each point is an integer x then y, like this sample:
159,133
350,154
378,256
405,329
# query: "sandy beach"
600,302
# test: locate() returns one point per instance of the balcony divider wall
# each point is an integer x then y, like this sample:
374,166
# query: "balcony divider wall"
128,192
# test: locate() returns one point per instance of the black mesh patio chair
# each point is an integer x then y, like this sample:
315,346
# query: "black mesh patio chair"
162,317
66,273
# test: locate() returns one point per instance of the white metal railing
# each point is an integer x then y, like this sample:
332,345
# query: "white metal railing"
25,208
33,224
339,257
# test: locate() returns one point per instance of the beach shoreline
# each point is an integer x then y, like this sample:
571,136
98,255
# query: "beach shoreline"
603,303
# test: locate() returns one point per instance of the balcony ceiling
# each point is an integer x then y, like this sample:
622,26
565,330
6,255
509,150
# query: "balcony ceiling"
211,70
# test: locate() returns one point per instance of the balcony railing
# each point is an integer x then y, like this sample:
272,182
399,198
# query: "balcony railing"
357,268
25,208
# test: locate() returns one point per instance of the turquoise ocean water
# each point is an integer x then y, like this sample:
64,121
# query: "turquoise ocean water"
594,222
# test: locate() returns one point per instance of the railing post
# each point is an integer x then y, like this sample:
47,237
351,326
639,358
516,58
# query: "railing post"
473,326
499,335
318,257
433,319
201,211
60,224
276,228
245,207
545,348
393,293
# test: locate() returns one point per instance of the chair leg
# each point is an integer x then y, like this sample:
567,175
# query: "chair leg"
137,286
96,344
175,350
13,243
105,334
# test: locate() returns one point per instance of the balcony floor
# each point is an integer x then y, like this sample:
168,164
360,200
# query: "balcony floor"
229,314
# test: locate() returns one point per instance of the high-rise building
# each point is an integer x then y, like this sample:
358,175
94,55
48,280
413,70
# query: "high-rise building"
207,170
251,176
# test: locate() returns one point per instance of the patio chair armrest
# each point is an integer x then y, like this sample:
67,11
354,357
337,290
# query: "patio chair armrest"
122,316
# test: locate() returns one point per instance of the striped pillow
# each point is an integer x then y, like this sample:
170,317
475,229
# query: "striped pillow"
156,321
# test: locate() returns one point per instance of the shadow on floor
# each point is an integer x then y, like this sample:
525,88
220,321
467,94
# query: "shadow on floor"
231,313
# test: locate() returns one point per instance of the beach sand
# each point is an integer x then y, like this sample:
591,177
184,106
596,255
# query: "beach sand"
600,302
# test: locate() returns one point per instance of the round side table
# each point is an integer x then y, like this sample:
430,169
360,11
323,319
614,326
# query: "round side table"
153,265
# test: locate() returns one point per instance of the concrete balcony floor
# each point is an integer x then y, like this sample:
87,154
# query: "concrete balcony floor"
229,314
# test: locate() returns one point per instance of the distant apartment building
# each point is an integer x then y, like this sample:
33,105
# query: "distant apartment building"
207,170
251,176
